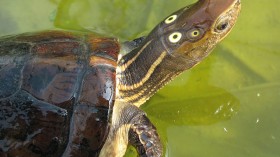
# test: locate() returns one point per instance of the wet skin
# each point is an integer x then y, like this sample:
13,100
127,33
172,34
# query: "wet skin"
72,94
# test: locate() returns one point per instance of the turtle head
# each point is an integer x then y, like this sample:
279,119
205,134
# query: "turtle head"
176,44
194,30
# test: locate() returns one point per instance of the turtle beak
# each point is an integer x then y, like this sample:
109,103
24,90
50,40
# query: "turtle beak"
216,18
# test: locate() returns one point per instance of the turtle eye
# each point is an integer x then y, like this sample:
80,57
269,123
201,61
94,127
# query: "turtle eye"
170,19
175,37
222,24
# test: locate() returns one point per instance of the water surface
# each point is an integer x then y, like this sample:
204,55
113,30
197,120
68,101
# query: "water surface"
227,106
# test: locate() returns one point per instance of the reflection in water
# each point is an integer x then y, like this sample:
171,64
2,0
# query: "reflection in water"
205,110
256,42
248,133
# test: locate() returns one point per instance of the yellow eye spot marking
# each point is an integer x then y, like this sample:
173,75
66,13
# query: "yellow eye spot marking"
195,33
170,19
175,37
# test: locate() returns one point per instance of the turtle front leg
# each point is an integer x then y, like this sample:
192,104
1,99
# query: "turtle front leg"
130,125
143,136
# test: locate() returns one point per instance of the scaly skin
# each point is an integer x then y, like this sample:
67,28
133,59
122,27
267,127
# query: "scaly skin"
178,43
66,94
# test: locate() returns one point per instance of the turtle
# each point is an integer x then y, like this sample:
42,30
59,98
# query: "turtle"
69,93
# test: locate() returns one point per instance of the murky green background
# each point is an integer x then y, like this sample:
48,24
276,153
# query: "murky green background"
228,106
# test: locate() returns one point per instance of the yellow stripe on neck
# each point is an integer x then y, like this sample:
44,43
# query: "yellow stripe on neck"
147,76
134,98
123,67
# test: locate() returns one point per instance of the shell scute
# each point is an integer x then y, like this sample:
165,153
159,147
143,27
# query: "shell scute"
57,90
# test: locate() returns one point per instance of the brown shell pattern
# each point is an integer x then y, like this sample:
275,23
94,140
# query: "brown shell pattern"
57,90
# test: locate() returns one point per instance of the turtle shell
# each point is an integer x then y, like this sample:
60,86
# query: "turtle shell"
56,92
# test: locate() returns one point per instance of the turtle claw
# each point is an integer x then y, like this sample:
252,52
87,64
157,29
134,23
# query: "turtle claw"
144,138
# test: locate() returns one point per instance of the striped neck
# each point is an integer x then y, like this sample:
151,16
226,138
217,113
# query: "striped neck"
177,43
146,69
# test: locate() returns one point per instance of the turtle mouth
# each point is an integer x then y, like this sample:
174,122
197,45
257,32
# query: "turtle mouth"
197,54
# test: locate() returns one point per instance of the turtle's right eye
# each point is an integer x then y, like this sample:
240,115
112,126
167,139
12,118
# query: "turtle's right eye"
170,19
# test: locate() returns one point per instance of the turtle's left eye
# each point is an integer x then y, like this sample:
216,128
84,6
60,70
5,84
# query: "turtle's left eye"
170,19
222,25
175,37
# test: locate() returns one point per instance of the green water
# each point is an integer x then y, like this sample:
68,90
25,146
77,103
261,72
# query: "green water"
228,106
